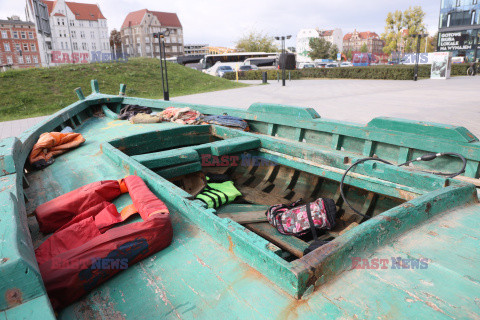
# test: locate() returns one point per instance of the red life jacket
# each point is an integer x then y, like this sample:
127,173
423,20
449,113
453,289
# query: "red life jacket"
84,251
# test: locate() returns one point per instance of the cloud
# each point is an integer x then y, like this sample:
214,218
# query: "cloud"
221,23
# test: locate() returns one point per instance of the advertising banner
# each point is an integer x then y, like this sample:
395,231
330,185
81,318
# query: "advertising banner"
441,65
450,41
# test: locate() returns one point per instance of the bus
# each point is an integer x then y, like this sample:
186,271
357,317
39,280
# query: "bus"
234,59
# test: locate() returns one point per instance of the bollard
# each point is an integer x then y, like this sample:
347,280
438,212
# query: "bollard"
289,76
264,77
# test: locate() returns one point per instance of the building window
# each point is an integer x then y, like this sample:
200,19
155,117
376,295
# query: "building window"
27,58
80,23
17,46
35,59
82,34
92,34
4,34
9,60
74,34
33,47
75,46
15,34
30,35
66,45
61,44
24,35
72,23
84,46
6,46
63,22
94,46
20,60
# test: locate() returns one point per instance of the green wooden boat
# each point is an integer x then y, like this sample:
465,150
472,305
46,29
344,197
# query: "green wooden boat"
417,257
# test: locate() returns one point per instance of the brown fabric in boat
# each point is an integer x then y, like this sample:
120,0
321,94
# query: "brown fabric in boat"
52,144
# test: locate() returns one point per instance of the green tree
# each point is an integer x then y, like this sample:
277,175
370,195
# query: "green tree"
322,49
348,54
364,48
399,25
115,41
393,31
413,22
256,42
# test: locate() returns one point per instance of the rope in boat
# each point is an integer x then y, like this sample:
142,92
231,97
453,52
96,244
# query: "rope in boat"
426,157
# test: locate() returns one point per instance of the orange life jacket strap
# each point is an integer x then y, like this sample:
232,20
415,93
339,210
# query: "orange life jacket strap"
127,212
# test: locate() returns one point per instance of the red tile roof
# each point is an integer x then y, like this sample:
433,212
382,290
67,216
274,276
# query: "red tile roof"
82,11
362,35
134,18
166,19
326,33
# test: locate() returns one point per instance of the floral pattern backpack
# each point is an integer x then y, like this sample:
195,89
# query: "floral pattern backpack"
299,220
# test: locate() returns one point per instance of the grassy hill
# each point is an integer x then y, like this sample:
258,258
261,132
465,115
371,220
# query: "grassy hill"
42,91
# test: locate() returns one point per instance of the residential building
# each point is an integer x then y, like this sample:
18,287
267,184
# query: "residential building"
459,27
138,29
220,50
18,44
79,33
354,41
334,36
195,49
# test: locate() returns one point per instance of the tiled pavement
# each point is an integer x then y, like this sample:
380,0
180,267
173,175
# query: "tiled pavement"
454,101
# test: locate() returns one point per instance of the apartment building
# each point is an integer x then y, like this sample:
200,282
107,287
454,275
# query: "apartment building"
138,29
18,44
354,41
334,36
79,32
195,49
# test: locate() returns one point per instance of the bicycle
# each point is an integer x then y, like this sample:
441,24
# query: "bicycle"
473,69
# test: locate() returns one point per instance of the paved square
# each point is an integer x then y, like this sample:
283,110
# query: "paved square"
454,101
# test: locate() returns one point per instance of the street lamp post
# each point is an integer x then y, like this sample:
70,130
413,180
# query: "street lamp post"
282,38
163,62
418,37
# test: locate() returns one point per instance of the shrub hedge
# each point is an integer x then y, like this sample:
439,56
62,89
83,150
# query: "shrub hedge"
397,72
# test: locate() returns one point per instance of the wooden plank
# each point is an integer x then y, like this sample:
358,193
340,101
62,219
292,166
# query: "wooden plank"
234,145
245,217
168,158
289,243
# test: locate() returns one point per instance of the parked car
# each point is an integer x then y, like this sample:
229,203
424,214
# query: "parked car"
321,64
346,64
331,65
224,69
246,68
306,65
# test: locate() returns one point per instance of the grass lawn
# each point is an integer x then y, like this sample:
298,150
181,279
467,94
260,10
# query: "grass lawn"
42,91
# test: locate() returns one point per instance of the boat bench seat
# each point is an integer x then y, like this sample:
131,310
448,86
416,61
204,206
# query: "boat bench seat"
172,163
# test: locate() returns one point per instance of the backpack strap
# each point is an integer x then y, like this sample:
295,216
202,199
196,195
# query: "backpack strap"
310,220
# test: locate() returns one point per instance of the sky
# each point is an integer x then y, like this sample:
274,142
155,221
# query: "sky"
223,22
